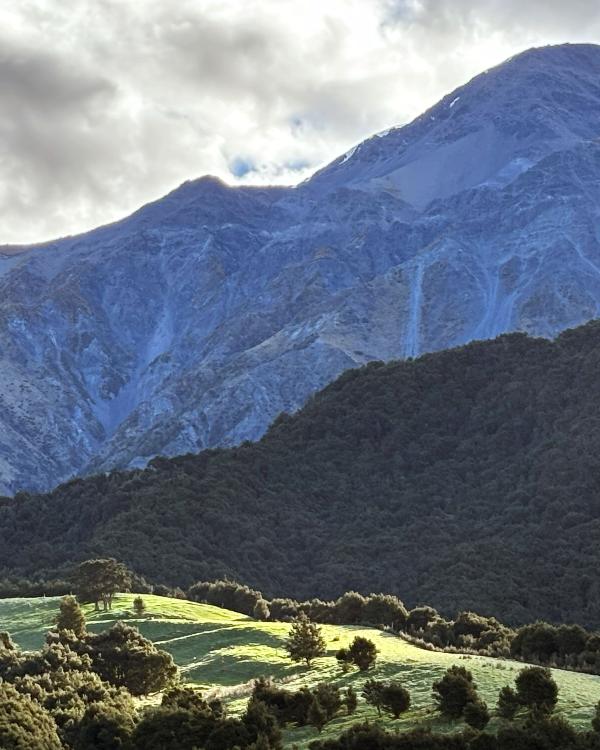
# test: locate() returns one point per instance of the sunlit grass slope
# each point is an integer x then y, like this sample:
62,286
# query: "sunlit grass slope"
222,651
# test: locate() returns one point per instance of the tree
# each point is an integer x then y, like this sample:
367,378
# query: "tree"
99,580
420,617
305,641
454,691
104,728
508,703
372,692
476,714
316,715
262,724
349,608
24,725
261,610
363,653
329,698
395,699
536,689
71,616
123,657
351,700
383,609
139,606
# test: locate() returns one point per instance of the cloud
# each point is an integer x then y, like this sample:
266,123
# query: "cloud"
107,104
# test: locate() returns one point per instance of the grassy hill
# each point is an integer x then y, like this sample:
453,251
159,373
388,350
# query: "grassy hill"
466,479
222,651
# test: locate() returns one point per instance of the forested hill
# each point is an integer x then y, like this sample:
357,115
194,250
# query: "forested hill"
468,478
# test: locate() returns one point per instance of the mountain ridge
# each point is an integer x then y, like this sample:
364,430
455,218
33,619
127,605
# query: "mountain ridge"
196,320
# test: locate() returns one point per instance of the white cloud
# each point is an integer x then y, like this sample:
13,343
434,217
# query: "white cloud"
106,104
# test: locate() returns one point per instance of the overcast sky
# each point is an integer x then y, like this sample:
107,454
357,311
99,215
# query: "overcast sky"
107,104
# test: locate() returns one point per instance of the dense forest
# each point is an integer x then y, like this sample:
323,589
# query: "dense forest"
466,479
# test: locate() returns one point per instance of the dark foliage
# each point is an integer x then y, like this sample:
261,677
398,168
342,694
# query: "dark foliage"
472,473
454,691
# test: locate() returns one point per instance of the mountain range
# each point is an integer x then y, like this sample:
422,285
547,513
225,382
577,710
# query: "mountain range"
194,322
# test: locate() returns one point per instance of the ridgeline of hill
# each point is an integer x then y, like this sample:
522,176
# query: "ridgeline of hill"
466,479
222,652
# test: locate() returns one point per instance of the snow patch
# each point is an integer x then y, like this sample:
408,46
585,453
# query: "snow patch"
349,154
453,102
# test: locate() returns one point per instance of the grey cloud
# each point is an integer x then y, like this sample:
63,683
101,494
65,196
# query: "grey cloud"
106,104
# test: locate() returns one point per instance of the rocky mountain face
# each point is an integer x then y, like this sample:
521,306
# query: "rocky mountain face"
199,318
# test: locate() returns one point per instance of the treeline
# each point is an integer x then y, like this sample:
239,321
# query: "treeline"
565,646
467,479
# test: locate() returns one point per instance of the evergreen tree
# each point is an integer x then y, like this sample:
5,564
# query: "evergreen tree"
454,691
596,718
123,657
316,715
372,692
24,725
395,699
536,689
139,606
71,616
329,698
305,641
363,653
351,700
476,714
508,703
104,728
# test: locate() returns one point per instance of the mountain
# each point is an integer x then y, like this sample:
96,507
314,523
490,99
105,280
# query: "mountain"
199,318
466,479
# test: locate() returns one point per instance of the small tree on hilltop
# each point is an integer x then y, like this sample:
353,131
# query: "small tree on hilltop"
71,616
305,641
99,580
139,607
395,699
363,653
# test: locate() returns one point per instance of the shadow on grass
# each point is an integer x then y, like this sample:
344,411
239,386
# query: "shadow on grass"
228,669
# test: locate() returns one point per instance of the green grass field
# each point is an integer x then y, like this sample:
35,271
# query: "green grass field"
222,652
